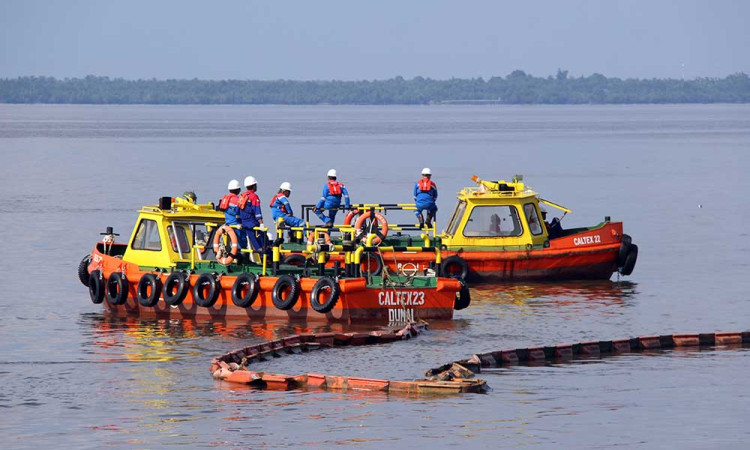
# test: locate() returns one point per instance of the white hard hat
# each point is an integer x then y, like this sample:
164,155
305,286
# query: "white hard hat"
234,184
286,186
250,180
426,171
332,173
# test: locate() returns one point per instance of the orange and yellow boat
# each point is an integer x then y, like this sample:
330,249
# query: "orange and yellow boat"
498,232
182,262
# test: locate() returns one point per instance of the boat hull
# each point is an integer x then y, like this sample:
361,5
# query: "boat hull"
357,302
589,255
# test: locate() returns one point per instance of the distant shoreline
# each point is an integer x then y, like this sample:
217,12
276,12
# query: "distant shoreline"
518,88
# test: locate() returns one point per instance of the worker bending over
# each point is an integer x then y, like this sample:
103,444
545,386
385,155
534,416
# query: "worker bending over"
281,209
425,194
330,200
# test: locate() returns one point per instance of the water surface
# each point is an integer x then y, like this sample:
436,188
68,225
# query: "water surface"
675,175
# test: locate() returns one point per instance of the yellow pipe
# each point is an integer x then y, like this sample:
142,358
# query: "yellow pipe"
358,255
276,254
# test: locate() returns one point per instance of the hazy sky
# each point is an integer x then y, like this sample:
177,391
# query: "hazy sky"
351,40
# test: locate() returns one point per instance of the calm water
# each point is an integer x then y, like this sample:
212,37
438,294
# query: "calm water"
677,176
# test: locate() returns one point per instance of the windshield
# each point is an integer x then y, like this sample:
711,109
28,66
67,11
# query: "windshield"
458,213
187,234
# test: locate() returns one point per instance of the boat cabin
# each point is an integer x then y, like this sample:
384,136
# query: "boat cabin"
497,214
176,230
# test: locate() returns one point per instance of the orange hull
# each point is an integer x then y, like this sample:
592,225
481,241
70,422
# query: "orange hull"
357,302
587,255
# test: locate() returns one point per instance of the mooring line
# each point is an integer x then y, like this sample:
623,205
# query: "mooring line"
451,378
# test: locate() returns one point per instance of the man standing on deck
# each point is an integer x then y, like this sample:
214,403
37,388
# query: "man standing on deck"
330,200
229,204
250,213
425,194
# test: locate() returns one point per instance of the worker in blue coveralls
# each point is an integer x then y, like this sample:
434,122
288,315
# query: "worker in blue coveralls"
425,194
330,200
250,213
280,207
229,204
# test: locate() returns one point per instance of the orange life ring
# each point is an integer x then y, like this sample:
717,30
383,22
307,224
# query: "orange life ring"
312,237
379,220
350,216
222,258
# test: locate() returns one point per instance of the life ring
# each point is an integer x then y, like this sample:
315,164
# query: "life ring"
295,259
411,271
312,237
378,220
373,262
206,290
83,270
244,281
350,216
455,267
285,292
624,250
175,288
630,260
224,257
325,283
96,287
463,298
148,290
116,288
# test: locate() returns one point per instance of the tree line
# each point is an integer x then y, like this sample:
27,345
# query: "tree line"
516,88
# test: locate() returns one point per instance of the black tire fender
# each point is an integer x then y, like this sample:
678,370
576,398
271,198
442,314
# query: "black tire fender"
318,290
251,281
83,270
295,259
96,287
116,288
451,263
277,294
630,260
179,283
463,298
148,290
375,261
211,283
624,250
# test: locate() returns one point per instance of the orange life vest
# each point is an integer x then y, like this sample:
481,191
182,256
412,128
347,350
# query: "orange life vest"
334,187
275,197
227,201
245,197
425,184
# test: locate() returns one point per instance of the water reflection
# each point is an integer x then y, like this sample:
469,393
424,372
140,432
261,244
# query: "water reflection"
601,292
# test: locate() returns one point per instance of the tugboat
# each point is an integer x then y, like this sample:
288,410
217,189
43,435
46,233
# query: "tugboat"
499,232
181,261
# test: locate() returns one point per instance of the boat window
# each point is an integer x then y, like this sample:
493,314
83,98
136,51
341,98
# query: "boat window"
180,243
532,218
147,236
458,214
493,221
203,238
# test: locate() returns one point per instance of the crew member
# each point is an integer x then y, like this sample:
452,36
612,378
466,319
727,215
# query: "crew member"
425,194
280,207
230,205
330,200
250,213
